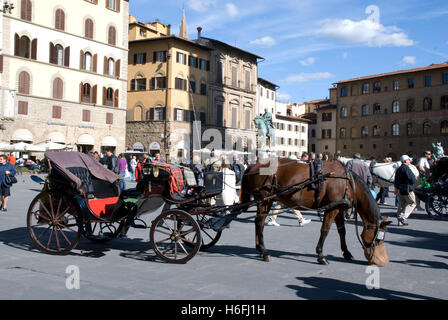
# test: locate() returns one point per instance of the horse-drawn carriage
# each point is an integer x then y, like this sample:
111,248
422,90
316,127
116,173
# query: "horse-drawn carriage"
82,198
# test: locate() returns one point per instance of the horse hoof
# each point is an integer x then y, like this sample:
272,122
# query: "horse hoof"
267,258
348,256
323,261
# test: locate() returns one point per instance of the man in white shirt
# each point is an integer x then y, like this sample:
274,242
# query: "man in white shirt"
424,164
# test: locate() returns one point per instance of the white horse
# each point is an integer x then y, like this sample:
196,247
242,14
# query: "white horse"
383,174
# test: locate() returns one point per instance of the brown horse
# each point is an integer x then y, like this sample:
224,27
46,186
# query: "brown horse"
336,185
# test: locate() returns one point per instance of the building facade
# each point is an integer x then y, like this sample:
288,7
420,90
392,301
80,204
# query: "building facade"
291,130
232,95
393,113
168,80
64,73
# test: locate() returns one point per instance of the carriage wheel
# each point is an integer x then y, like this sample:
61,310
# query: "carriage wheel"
53,223
437,205
209,236
171,231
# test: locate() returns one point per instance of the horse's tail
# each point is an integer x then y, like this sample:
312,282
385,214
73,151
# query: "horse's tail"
244,191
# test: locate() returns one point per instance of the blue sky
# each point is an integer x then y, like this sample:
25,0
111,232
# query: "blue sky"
310,44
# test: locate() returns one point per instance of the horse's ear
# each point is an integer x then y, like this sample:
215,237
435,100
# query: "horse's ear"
385,223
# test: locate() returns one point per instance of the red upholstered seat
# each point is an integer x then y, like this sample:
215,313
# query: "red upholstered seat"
103,208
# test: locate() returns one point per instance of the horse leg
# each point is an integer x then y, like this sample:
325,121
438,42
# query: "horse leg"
326,224
341,230
259,226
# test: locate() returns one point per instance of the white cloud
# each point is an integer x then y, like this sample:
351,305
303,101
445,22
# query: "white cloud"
283,96
306,77
366,32
232,10
408,60
201,5
265,42
308,61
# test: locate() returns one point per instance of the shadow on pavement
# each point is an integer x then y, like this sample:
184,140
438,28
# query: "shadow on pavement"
332,289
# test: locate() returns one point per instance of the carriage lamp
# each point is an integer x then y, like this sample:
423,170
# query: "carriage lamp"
7,7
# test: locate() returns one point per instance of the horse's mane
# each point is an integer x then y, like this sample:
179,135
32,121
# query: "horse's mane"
373,206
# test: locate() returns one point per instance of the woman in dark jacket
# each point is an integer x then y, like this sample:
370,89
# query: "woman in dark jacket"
5,169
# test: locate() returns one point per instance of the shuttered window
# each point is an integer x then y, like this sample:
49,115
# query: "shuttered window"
88,29
247,116
109,118
26,10
56,112
86,115
24,83
234,117
57,88
112,35
59,20
181,84
22,108
234,76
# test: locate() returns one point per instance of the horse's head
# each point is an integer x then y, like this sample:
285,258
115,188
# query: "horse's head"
375,248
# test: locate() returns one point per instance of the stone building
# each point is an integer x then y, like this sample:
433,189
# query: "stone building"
168,85
393,113
64,73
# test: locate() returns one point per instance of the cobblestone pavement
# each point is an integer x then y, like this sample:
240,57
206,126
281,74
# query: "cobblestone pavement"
129,269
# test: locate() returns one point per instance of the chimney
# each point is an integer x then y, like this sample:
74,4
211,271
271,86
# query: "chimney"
199,32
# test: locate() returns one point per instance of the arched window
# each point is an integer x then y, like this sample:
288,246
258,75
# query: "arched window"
410,105
395,129
24,47
85,93
59,54
58,87
24,83
87,61
110,67
138,113
26,9
395,106
342,133
59,20
409,129
88,29
426,128
112,36
427,104
365,110
109,98
444,127
444,102
364,131
343,112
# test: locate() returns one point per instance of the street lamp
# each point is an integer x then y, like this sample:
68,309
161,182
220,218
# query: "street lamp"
7,7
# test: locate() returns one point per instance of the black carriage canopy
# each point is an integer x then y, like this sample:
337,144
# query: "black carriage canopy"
69,159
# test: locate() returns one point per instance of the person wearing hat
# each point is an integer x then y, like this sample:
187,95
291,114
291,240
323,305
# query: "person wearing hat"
360,168
404,187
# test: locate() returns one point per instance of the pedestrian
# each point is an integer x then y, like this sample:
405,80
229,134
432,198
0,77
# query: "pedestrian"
273,218
12,159
20,163
384,191
404,187
304,158
325,157
123,164
360,168
424,167
110,161
6,168
133,165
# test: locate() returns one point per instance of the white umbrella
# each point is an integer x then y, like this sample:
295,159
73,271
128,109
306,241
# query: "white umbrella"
52,146
26,147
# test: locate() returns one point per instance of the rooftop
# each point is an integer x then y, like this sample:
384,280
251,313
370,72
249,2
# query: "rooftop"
172,37
430,67
232,47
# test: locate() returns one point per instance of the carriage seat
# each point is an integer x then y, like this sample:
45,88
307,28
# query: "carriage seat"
86,178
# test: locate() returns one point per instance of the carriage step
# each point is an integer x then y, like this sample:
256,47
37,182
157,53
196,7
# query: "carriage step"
139,226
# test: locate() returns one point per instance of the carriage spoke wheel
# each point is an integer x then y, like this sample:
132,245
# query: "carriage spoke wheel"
53,223
209,236
437,205
175,236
